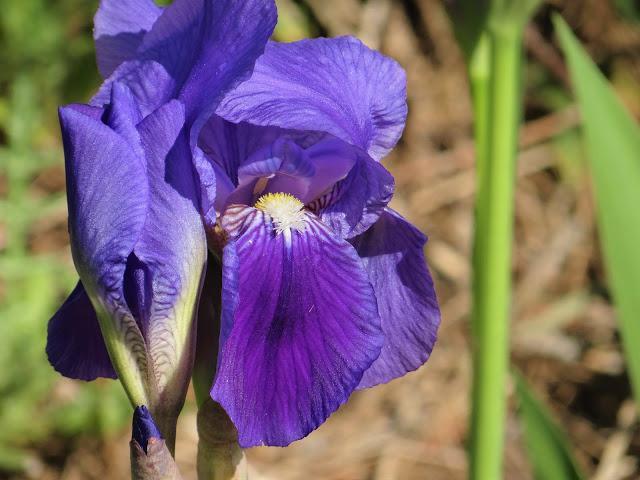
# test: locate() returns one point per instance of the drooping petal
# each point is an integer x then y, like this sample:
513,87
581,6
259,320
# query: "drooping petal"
75,347
304,328
392,254
172,244
119,27
355,203
337,86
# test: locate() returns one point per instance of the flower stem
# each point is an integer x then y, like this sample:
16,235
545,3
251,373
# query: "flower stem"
219,455
156,463
167,424
496,75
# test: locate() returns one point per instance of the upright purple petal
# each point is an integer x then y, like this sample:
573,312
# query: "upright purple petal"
281,166
149,82
195,52
215,187
119,27
355,203
333,160
172,246
107,194
312,171
337,86
392,254
282,156
122,114
304,329
229,144
75,346
305,164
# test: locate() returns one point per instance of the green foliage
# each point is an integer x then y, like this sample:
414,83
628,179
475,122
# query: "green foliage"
613,147
548,447
46,59
628,8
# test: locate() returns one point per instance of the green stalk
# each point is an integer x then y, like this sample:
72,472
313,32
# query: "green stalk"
219,455
497,95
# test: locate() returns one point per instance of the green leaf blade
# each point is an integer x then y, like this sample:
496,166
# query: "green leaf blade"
548,447
613,145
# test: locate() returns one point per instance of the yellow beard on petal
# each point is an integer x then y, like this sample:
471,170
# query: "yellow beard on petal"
285,210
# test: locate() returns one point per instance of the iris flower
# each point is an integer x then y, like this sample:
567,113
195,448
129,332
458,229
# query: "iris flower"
325,288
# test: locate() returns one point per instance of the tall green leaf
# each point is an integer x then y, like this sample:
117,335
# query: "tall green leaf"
613,147
548,447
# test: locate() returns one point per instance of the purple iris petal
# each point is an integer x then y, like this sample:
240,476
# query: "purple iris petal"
107,193
304,329
87,110
75,346
333,160
226,145
356,203
135,227
149,82
282,156
122,114
392,254
120,26
172,244
337,86
215,187
328,161
195,51
281,166
229,144
262,160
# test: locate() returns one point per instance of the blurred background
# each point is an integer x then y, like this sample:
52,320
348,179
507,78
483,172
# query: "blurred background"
564,336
